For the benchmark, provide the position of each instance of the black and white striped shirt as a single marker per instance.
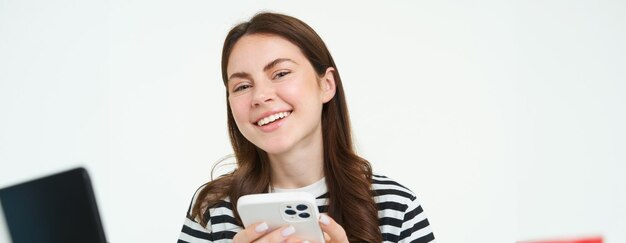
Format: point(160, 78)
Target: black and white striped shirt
point(401, 217)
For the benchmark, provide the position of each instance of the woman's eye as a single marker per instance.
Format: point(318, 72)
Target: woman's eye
point(241, 87)
point(280, 74)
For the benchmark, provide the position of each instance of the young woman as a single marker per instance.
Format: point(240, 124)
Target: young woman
point(290, 131)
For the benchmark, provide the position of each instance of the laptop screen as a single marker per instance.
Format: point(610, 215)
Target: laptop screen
point(53, 209)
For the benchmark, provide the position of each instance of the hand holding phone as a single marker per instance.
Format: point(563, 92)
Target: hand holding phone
point(297, 209)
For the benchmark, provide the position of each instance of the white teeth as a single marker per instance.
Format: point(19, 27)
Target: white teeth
point(272, 118)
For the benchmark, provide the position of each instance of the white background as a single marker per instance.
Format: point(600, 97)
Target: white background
point(505, 117)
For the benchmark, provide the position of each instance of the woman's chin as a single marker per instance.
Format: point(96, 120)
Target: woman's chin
point(275, 149)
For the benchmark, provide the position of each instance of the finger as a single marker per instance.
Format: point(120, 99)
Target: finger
point(334, 230)
point(251, 233)
point(278, 235)
point(326, 237)
point(294, 240)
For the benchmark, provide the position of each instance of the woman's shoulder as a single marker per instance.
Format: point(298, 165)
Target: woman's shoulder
point(223, 205)
point(402, 218)
point(219, 220)
point(381, 182)
point(389, 193)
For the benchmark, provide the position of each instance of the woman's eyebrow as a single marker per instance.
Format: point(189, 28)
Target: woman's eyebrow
point(276, 62)
point(269, 66)
point(242, 75)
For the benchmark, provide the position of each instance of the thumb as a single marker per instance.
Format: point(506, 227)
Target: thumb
point(332, 229)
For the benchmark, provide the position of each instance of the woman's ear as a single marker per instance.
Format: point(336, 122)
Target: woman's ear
point(328, 86)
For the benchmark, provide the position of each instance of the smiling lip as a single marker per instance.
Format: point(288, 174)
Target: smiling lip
point(271, 117)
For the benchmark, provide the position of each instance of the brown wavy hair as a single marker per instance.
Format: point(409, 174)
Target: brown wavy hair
point(348, 176)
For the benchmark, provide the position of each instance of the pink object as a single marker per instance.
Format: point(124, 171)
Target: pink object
point(595, 239)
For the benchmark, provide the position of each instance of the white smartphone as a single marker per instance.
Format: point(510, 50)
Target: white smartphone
point(297, 209)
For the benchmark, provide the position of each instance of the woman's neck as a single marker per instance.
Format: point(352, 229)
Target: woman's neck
point(298, 167)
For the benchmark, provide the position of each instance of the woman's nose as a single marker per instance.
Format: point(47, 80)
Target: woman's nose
point(263, 93)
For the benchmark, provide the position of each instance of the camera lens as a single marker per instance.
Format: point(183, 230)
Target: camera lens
point(301, 207)
point(304, 215)
point(290, 212)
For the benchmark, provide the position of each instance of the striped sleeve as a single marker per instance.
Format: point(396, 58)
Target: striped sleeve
point(401, 216)
point(221, 224)
point(193, 231)
point(415, 226)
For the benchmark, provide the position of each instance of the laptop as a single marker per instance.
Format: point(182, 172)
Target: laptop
point(53, 209)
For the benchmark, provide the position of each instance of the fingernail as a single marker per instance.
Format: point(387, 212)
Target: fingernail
point(261, 228)
point(288, 231)
point(306, 241)
point(324, 219)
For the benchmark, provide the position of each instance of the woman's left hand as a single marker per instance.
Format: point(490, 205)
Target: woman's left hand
point(333, 232)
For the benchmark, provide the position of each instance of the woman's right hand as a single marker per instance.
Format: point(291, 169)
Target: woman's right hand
point(259, 233)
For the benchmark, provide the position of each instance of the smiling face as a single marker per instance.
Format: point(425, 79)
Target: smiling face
point(275, 95)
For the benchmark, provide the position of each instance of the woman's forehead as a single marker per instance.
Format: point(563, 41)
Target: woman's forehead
point(253, 52)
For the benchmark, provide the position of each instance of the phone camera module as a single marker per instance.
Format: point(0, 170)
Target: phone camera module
point(296, 212)
point(301, 207)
